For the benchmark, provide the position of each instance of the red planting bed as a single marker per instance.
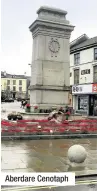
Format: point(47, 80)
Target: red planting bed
point(45, 126)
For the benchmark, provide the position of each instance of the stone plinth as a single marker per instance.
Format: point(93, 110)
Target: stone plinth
point(50, 58)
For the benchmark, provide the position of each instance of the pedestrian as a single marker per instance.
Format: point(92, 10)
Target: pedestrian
point(22, 103)
point(95, 110)
point(67, 113)
point(26, 102)
point(61, 110)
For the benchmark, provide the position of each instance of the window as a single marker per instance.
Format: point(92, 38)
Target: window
point(8, 88)
point(20, 89)
point(70, 74)
point(95, 74)
point(76, 76)
point(13, 76)
point(82, 103)
point(77, 59)
point(20, 82)
point(95, 53)
point(14, 82)
point(82, 72)
point(14, 88)
point(8, 82)
point(87, 71)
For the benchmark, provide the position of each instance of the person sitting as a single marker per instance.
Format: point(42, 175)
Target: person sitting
point(61, 110)
point(55, 116)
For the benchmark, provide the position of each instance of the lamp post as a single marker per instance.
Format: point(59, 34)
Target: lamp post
point(28, 80)
point(29, 64)
point(30, 67)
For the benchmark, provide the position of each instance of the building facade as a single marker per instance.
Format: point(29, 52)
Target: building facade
point(14, 86)
point(83, 74)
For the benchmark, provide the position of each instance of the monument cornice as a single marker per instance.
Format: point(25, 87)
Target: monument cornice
point(51, 25)
point(48, 88)
point(54, 33)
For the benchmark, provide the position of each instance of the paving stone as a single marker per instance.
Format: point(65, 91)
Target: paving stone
point(46, 155)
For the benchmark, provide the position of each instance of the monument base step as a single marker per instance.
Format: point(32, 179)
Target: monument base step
point(46, 107)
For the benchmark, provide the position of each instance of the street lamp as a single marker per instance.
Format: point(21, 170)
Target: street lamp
point(29, 64)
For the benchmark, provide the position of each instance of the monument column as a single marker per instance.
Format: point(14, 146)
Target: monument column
point(50, 73)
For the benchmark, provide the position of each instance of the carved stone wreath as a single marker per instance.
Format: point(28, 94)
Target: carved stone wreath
point(54, 46)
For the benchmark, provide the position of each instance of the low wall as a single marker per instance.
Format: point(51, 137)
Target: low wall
point(35, 115)
point(45, 137)
point(45, 115)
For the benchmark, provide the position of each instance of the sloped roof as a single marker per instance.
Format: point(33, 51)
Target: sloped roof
point(87, 43)
point(79, 40)
point(6, 75)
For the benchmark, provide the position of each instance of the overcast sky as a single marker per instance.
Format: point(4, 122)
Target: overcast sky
point(17, 15)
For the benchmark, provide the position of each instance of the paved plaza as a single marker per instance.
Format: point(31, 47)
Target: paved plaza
point(46, 156)
point(7, 108)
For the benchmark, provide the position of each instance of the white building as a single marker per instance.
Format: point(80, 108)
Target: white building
point(83, 74)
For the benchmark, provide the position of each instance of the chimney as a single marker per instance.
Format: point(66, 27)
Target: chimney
point(4, 73)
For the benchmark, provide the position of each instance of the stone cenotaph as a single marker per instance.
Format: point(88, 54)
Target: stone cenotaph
point(50, 58)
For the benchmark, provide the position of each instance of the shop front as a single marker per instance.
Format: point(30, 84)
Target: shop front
point(85, 98)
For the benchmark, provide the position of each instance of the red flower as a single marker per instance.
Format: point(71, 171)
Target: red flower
point(68, 113)
point(27, 105)
point(36, 107)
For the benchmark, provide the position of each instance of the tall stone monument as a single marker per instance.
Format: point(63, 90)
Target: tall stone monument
point(50, 58)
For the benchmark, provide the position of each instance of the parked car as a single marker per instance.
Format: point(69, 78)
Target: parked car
point(2, 100)
point(9, 100)
point(19, 99)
